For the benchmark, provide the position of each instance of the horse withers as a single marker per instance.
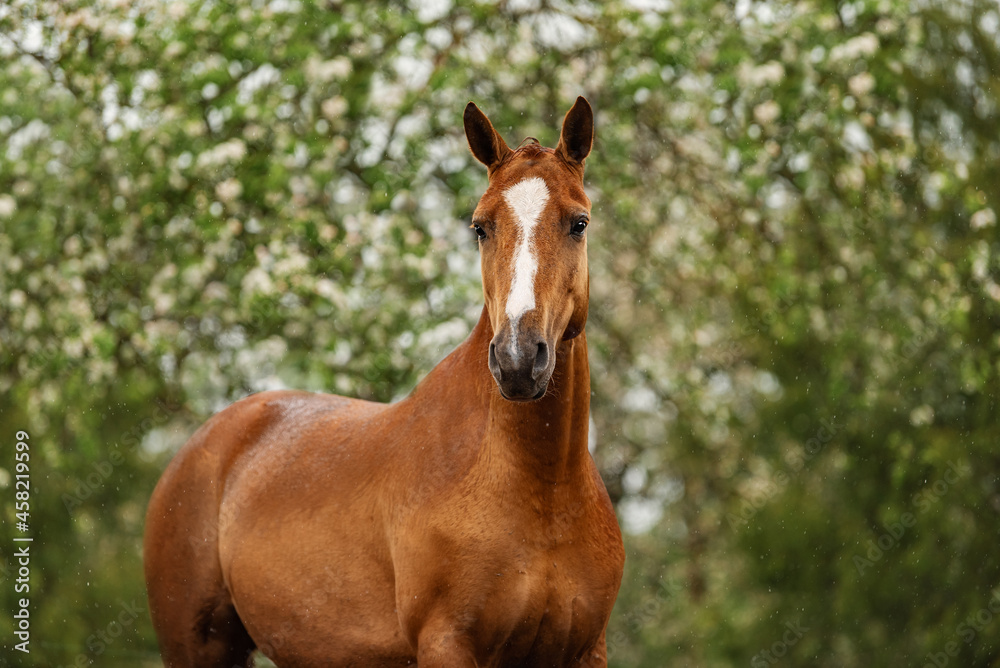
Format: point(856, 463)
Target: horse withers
point(465, 525)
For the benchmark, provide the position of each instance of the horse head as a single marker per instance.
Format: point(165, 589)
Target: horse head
point(532, 223)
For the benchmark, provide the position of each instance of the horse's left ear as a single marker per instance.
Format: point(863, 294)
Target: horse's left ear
point(577, 136)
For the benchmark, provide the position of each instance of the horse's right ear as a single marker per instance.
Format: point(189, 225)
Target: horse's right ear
point(488, 147)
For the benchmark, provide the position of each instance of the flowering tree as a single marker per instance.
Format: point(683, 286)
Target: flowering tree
point(794, 289)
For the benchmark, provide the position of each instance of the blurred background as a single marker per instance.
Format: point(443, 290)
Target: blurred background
point(795, 310)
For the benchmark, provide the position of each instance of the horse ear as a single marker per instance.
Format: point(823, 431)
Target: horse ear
point(488, 147)
point(577, 136)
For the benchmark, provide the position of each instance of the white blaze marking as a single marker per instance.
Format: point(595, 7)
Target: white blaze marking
point(527, 200)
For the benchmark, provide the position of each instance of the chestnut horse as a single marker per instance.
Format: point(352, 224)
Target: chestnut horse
point(465, 525)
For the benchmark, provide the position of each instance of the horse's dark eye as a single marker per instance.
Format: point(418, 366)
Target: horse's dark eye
point(579, 227)
point(480, 232)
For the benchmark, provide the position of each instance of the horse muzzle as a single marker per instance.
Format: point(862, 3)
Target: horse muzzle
point(521, 363)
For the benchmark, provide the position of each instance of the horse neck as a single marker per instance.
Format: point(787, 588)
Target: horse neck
point(540, 442)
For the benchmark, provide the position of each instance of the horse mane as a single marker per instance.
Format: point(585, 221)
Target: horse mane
point(530, 147)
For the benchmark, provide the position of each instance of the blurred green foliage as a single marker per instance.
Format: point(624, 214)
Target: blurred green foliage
point(795, 315)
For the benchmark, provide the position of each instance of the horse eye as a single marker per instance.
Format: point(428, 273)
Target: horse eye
point(579, 227)
point(480, 232)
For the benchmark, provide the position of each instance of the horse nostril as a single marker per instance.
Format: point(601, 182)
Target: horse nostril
point(541, 360)
point(494, 365)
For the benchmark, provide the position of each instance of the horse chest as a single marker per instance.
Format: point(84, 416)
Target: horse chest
point(543, 609)
point(526, 593)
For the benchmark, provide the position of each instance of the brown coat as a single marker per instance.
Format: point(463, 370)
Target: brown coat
point(457, 527)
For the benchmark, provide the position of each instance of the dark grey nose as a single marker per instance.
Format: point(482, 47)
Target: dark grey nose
point(521, 365)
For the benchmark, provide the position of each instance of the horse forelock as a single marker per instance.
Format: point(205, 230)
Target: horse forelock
point(531, 149)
